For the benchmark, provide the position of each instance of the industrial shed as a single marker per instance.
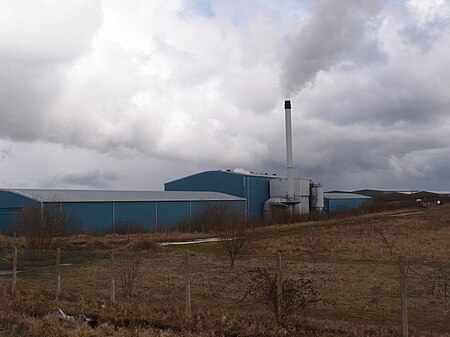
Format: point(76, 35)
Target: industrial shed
point(335, 202)
point(260, 190)
point(253, 187)
point(101, 210)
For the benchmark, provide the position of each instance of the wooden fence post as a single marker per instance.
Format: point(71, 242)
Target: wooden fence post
point(14, 272)
point(58, 274)
point(403, 298)
point(279, 288)
point(187, 284)
point(112, 286)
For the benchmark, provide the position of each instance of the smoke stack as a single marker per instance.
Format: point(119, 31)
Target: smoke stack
point(287, 111)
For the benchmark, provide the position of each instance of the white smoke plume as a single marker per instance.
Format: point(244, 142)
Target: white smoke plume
point(336, 32)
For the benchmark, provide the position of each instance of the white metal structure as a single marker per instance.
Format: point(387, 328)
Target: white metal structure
point(301, 195)
point(290, 187)
point(317, 203)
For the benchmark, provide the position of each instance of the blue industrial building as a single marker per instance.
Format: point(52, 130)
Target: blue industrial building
point(183, 199)
point(253, 187)
point(101, 210)
point(335, 202)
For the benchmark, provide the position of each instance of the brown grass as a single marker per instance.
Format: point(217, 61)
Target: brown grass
point(422, 235)
point(358, 283)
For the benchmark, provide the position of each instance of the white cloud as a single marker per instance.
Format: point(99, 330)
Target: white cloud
point(184, 86)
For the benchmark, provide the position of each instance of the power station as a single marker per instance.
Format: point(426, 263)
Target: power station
point(256, 195)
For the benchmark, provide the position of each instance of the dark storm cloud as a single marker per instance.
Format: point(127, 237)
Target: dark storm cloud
point(381, 123)
point(385, 96)
point(92, 179)
point(134, 83)
point(25, 95)
point(337, 31)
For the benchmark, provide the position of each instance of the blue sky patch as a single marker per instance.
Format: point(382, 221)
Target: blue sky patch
point(199, 7)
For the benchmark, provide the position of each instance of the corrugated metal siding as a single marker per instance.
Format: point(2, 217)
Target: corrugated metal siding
point(254, 188)
point(198, 207)
point(151, 215)
point(257, 196)
point(10, 205)
point(213, 181)
point(8, 199)
point(142, 213)
point(99, 216)
point(95, 216)
point(171, 212)
point(6, 222)
point(336, 205)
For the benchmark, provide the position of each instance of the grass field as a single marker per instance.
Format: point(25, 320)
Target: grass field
point(353, 263)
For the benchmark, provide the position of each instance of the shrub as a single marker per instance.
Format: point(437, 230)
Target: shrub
point(213, 217)
point(236, 241)
point(128, 273)
point(297, 294)
point(128, 227)
point(41, 224)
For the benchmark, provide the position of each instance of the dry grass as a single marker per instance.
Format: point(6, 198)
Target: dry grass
point(421, 236)
point(358, 283)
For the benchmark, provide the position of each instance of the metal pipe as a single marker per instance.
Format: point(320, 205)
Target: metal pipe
point(287, 110)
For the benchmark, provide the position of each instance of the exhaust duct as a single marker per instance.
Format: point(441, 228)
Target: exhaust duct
point(290, 183)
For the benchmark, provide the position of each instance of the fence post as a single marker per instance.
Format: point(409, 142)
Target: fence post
point(14, 272)
point(58, 274)
point(279, 288)
point(403, 298)
point(112, 286)
point(187, 284)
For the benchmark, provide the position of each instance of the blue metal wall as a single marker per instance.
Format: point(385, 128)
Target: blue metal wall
point(100, 216)
point(151, 215)
point(336, 205)
point(94, 216)
point(251, 187)
point(139, 212)
point(10, 205)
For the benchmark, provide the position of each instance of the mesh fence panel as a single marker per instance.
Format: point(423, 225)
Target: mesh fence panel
point(350, 290)
point(428, 296)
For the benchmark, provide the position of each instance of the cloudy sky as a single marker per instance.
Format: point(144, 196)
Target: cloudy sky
point(130, 94)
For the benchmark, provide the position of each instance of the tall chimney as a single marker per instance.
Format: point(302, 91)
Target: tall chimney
point(287, 110)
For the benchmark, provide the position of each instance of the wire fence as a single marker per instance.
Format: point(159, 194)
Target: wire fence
point(350, 290)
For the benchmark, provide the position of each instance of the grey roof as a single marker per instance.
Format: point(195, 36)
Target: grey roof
point(251, 173)
point(47, 195)
point(238, 172)
point(345, 196)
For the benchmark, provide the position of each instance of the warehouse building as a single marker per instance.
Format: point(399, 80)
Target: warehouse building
point(100, 211)
point(260, 190)
point(336, 202)
point(251, 193)
point(254, 188)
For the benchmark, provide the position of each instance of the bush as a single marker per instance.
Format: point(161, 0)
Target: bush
point(236, 241)
point(213, 217)
point(128, 272)
point(297, 294)
point(41, 224)
point(128, 227)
